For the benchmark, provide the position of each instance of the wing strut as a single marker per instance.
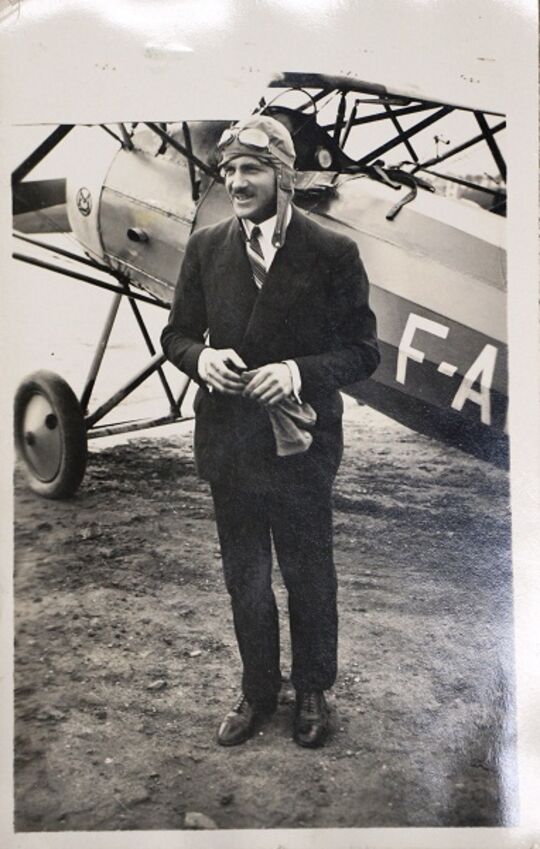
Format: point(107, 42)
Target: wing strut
point(190, 163)
point(401, 138)
point(491, 143)
point(399, 128)
point(101, 284)
point(461, 147)
point(382, 116)
point(183, 150)
point(40, 153)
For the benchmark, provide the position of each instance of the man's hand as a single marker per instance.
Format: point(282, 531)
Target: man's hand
point(269, 384)
point(217, 368)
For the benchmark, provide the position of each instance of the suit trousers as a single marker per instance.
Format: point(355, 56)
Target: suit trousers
point(300, 524)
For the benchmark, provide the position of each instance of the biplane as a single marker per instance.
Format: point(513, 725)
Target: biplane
point(420, 184)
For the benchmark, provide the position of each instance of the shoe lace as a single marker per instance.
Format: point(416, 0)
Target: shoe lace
point(242, 704)
point(309, 702)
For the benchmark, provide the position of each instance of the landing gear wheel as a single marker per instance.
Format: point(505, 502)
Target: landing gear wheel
point(50, 435)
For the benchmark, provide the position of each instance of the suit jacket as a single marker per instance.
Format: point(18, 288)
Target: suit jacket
point(313, 308)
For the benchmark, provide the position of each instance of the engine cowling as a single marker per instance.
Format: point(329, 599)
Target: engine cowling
point(134, 210)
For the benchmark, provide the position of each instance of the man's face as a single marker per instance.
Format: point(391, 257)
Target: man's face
point(251, 185)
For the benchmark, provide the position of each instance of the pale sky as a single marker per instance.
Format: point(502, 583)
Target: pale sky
point(122, 59)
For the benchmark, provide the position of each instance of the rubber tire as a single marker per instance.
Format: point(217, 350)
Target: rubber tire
point(72, 433)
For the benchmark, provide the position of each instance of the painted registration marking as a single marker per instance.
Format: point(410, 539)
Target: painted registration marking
point(447, 368)
point(476, 383)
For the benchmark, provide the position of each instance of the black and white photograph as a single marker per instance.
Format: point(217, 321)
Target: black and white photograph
point(270, 562)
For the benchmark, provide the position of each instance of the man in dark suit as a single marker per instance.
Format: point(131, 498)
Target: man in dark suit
point(286, 304)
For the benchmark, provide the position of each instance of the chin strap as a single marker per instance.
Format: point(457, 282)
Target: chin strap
point(285, 191)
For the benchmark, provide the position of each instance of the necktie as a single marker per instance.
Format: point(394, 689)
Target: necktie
point(256, 257)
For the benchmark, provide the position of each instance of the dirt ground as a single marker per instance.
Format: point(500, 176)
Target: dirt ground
point(126, 659)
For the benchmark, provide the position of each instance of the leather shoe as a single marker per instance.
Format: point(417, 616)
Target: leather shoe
point(311, 720)
point(241, 722)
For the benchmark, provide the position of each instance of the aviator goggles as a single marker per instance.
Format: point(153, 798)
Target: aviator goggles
point(252, 137)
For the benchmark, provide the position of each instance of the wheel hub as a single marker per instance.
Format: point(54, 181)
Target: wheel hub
point(42, 438)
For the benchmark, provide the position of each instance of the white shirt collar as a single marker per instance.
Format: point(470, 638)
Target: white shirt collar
point(266, 227)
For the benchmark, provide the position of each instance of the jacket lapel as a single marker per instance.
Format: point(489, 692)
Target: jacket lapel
point(232, 262)
point(233, 289)
point(290, 275)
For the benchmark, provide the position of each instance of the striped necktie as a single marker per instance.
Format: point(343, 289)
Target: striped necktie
point(256, 257)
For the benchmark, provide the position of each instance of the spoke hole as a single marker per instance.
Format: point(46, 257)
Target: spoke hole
point(29, 438)
point(51, 421)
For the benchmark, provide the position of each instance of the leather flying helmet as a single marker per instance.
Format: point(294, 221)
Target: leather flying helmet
point(268, 140)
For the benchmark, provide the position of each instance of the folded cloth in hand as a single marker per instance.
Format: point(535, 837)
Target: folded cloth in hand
point(289, 421)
